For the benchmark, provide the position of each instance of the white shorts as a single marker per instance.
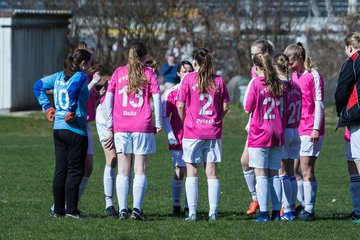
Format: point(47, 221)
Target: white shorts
point(348, 151)
point(198, 151)
point(310, 149)
point(176, 157)
point(267, 157)
point(101, 120)
point(291, 148)
point(90, 150)
point(134, 142)
point(355, 141)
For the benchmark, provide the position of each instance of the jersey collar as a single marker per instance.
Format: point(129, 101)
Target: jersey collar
point(354, 56)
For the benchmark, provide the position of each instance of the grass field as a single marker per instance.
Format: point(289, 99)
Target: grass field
point(27, 165)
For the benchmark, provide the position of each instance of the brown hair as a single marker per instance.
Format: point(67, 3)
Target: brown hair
point(353, 39)
point(263, 61)
point(265, 46)
point(136, 74)
point(281, 63)
point(72, 63)
point(206, 71)
point(298, 51)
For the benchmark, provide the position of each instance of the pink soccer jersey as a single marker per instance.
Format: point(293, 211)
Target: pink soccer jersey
point(266, 125)
point(203, 111)
point(312, 88)
point(91, 103)
point(292, 104)
point(170, 100)
point(132, 111)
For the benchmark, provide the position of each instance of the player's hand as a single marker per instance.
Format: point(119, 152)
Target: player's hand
point(314, 137)
point(69, 117)
point(173, 141)
point(50, 114)
point(157, 130)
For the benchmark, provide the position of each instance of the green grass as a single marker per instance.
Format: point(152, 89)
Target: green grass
point(27, 165)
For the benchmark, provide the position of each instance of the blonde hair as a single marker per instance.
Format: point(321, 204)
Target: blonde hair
point(281, 63)
point(353, 39)
point(137, 78)
point(263, 61)
point(206, 71)
point(265, 46)
point(298, 51)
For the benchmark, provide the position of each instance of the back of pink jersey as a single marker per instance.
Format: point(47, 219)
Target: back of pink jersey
point(203, 111)
point(170, 100)
point(292, 104)
point(266, 124)
point(312, 88)
point(132, 111)
point(91, 103)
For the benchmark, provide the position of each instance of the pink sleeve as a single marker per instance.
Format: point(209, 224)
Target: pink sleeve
point(154, 84)
point(317, 85)
point(250, 98)
point(183, 90)
point(112, 83)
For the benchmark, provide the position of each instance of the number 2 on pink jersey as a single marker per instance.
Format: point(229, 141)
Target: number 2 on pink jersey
point(203, 110)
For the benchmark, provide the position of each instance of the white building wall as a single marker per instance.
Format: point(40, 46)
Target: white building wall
point(5, 64)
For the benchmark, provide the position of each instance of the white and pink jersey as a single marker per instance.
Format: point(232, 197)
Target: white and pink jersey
point(266, 125)
point(132, 111)
point(292, 104)
point(312, 88)
point(170, 110)
point(203, 111)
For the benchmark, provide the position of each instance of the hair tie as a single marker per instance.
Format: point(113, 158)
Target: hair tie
point(299, 44)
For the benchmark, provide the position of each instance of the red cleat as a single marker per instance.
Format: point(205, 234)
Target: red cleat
point(253, 207)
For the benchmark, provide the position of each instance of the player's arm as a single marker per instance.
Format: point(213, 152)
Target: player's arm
point(40, 87)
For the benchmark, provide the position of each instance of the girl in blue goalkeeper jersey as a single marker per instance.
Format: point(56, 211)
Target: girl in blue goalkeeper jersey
point(70, 87)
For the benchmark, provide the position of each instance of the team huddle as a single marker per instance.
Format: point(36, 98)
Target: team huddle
point(285, 130)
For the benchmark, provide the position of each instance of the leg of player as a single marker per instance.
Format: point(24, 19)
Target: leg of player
point(213, 189)
point(122, 184)
point(191, 185)
point(250, 181)
point(310, 187)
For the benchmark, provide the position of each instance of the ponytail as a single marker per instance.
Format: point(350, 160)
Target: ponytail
point(206, 71)
point(263, 61)
point(72, 63)
point(136, 74)
point(281, 64)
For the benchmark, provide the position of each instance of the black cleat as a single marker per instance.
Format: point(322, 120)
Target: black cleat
point(137, 215)
point(111, 212)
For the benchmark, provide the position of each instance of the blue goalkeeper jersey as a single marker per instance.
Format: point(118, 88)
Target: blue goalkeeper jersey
point(69, 96)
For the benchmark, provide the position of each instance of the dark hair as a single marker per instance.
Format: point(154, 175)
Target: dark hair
point(281, 63)
point(263, 61)
point(137, 53)
point(182, 64)
point(72, 63)
point(206, 71)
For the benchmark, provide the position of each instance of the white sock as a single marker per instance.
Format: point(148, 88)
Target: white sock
point(109, 185)
point(213, 195)
point(355, 192)
point(294, 190)
point(310, 189)
point(122, 191)
point(82, 187)
point(286, 193)
point(139, 191)
point(176, 188)
point(262, 189)
point(251, 182)
point(300, 192)
point(276, 192)
point(191, 185)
